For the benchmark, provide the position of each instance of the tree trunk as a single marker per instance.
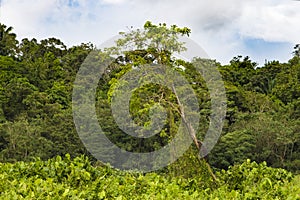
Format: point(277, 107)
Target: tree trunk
point(192, 133)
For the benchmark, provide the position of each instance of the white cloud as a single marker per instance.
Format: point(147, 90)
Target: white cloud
point(25, 16)
point(271, 22)
point(113, 1)
point(220, 27)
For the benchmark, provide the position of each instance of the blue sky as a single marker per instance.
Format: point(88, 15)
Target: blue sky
point(267, 51)
point(261, 29)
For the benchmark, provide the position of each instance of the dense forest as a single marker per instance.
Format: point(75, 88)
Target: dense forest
point(256, 156)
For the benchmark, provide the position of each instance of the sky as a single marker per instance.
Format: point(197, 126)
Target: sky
point(261, 29)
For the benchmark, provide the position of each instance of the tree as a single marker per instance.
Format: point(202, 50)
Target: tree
point(8, 42)
point(22, 141)
point(259, 136)
point(297, 50)
point(150, 48)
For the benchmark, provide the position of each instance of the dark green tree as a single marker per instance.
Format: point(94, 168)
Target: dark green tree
point(8, 41)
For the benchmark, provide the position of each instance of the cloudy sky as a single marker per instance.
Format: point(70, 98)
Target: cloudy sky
point(261, 29)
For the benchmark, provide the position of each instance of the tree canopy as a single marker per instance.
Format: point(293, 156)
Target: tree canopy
point(36, 83)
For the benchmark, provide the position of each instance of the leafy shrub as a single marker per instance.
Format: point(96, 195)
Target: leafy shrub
point(254, 180)
point(64, 178)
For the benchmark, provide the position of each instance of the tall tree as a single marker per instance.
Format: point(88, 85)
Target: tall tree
point(8, 41)
point(156, 45)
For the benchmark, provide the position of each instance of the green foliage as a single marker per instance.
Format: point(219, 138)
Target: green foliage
point(66, 178)
point(36, 78)
point(260, 137)
point(249, 174)
point(143, 52)
point(35, 97)
point(250, 180)
point(8, 42)
point(156, 43)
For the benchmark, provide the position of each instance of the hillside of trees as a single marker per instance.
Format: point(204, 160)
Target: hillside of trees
point(262, 123)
